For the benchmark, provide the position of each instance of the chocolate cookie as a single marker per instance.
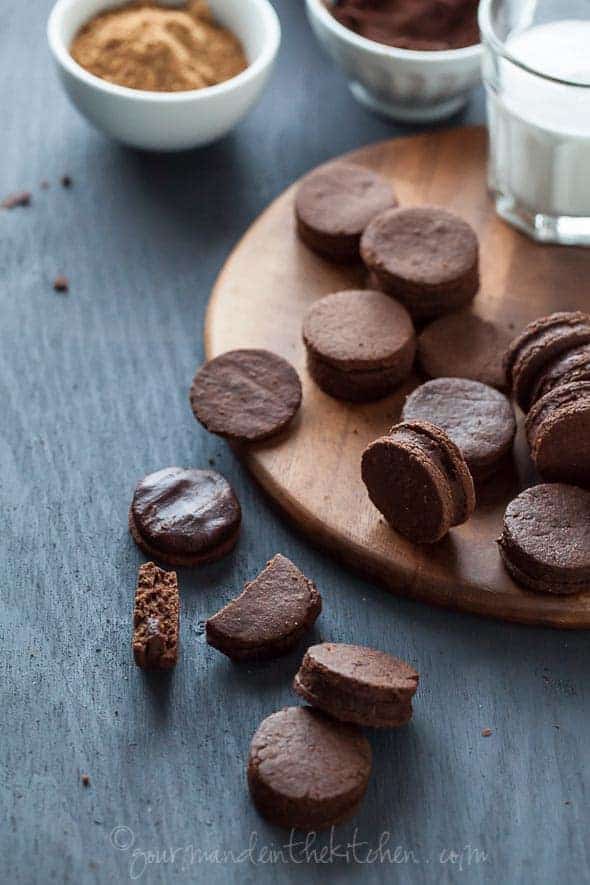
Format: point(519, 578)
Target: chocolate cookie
point(156, 619)
point(425, 257)
point(478, 418)
point(558, 431)
point(306, 771)
point(545, 544)
point(357, 684)
point(418, 479)
point(568, 367)
point(269, 617)
point(462, 345)
point(334, 204)
point(185, 517)
point(360, 344)
point(538, 345)
point(246, 395)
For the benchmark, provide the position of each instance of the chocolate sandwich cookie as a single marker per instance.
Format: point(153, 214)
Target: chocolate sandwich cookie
point(185, 516)
point(479, 419)
point(418, 479)
point(360, 344)
point(545, 544)
point(567, 368)
point(356, 684)
point(334, 205)
point(156, 618)
point(463, 345)
point(306, 771)
point(558, 431)
point(538, 345)
point(246, 395)
point(269, 617)
point(425, 257)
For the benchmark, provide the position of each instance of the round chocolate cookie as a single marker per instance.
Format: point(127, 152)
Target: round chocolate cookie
point(246, 395)
point(463, 345)
point(269, 617)
point(558, 431)
point(545, 544)
point(479, 419)
point(357, 684)
point(425, 257)
point(568, 367)
point(306, 771)
point(334, 204)
point(537, 346)
point(360, 344)
point(418, 479)
point(185, 516)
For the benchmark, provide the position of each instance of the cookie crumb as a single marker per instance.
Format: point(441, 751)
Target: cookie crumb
point(85, 780)
point(487, 732)
point(61, 284)
point(66, 181)
point(21, 198)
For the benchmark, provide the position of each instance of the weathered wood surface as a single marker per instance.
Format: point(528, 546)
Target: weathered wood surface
point(94, 395)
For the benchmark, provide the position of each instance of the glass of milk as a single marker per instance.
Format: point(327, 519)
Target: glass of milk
point(537, 74)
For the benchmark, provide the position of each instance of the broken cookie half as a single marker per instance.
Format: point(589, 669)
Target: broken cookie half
point(156, 618)
point(269, 617)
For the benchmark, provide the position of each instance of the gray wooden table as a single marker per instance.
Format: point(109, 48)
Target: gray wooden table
point(93, 387)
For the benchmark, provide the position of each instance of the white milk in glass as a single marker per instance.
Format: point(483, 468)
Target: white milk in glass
point(540, 130)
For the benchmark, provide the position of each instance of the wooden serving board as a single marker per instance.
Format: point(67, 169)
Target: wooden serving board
point(313, 473)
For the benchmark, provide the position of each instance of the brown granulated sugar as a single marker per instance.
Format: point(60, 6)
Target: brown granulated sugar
point(143, 45)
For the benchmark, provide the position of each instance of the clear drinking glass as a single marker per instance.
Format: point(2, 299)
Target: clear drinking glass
point(537, 74)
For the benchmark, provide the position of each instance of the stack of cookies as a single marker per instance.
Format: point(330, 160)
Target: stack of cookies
point(548, 369)
point(545, 542)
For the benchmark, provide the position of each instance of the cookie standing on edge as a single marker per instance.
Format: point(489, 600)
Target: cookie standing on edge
point(558, 431)
point(426, 257)
point(246, 395)
point(156, 617)
point(463, 345)
point(479, 419)
point(185, 516)
point(269, 617)
point(545, 544)
point(360, 344)
point(538, 345)
point(418, 479)
point(357, 684)
point(306, 771)
point(333, 206)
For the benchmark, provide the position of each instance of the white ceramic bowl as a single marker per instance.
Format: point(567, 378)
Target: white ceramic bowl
point(402, 84)
point(168, 121)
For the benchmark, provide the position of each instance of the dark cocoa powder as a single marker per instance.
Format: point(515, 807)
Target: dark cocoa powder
point(411, 24)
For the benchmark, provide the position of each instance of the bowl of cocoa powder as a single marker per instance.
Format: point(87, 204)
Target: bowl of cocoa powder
point(410, 60)
point(164, 75)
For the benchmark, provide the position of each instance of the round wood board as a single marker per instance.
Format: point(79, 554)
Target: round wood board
point(313, 472)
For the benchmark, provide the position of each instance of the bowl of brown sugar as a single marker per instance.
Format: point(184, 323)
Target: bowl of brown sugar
point(164, 76)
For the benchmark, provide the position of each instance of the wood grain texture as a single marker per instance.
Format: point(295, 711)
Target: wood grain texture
point(313, 473)
point(94, 391)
